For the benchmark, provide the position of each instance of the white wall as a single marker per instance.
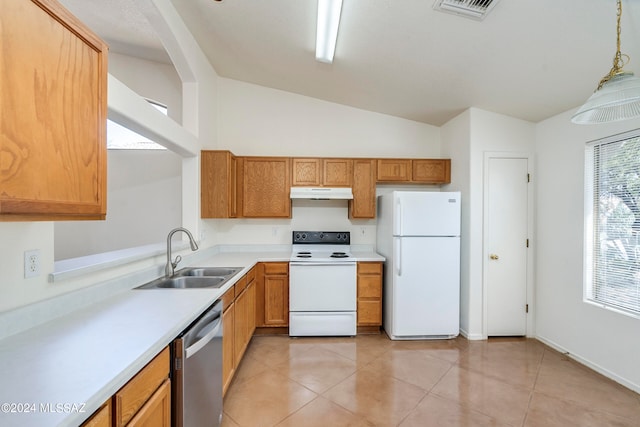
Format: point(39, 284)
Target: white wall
point(466, 139)
point(605, 340)
point(456, 145)
point(144, 200)
point(255, 120)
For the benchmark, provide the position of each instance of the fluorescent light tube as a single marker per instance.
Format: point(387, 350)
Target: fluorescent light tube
point(327, 29)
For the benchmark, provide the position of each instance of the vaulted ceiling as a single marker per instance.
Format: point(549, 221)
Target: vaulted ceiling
point(529, 59)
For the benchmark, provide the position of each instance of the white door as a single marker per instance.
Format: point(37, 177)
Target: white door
point(506, 246)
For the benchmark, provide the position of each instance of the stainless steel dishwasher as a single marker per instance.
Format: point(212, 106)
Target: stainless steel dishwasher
point(197, 372)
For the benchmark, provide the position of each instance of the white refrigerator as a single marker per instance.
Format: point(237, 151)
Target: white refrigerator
point(418, 232)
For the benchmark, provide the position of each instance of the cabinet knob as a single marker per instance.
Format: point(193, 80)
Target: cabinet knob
point(494, 256)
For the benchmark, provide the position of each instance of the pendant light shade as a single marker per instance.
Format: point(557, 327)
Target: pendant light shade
point(618, 94)
point(617, 99)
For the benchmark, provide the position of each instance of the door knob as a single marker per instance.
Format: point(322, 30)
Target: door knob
point(494, 256)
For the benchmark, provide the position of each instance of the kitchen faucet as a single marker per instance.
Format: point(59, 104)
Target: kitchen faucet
point(171, 265)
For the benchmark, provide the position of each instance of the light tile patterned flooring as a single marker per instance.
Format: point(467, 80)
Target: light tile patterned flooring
point(373, 381)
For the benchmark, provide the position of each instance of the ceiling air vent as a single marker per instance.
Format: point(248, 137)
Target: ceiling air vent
point(474, 9)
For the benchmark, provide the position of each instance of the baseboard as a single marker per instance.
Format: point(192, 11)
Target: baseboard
point(599, 369)
point(471, 337)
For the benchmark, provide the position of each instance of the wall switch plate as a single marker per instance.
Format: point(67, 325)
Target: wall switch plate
point(31, 263)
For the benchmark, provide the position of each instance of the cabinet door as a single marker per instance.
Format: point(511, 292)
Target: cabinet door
point(218, 181)
point(369, 294)
point(228, 332)
point(157, 411)
point(276, 300)
point(100, 418)
point(337, 172)
point(265, 187)
point(53, 112)
point(363, 204)
point(241, 326)
point(431, 171)
point(306, 172)
point(394, 170)
point(251, 308)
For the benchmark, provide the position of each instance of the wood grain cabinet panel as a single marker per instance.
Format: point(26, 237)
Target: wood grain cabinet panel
point(363, 204)
point(100, 418)
point(322, 172)
point(394, 170)
point(431, 171)
point(228, 353)
point(337, 172)
point(370, 294)
point(306, 172)
point(53, 112)
point(133, 395)
point(266, 182)
point(157, 411)
point(219, 185)
point(272, 295)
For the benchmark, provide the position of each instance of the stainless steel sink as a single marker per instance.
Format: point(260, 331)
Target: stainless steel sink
point(194, 278)
point(208, 271)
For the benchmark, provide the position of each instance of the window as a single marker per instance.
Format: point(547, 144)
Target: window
point(612, 222)
point(121, 138)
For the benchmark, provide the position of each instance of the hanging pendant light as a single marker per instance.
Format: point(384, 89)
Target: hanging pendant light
point(618, 94)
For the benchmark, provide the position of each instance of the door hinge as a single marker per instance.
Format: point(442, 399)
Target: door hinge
point(177, 364)
point(526, 308)
point(528, 177)
point(527, 242)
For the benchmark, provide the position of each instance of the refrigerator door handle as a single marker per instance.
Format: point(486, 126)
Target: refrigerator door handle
point(398, 260)
point(399, 219)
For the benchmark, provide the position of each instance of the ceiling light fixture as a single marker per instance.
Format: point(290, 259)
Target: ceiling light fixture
point(327, 29)
point(618, 94)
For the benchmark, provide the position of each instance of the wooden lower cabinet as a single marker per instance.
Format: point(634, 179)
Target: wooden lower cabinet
point(157, 411)
point(228, 360)
point(370, 294)
point(272, 296)
point(100, 418)
point(238, 323)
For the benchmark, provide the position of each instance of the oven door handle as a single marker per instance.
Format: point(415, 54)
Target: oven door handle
point(214, 328)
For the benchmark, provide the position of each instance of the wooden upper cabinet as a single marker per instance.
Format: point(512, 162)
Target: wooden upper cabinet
point(394, 170)
point(322, 172)
point(414, 171)
point(306, 172)
point(53, 112)
point(431, 171)
point(363, 204)
point(266, 182)
point(219, 185)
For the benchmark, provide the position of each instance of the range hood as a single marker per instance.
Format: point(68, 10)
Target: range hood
point(321, 193)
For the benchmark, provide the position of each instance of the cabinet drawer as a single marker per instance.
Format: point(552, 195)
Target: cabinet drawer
point(276, 268)
point(251, 275)
point(369, 313)
point(228, 297)
point(369, 287)
point(370, 268)
point(130, 398)
point(240, 285)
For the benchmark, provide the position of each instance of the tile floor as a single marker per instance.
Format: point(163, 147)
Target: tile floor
point(373, 381)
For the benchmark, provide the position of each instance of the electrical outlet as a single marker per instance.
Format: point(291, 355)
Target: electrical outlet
point(31, 263)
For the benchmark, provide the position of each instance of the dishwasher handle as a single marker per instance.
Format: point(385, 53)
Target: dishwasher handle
point(212, 330)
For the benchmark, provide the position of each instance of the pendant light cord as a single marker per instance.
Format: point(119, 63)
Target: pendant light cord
point(619, 58)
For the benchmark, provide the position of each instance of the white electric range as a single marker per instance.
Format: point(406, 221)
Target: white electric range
point(322, 284)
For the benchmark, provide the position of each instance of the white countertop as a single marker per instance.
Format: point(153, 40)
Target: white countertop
point(59, 373)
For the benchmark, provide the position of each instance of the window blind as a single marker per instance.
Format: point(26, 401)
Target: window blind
point(612, 222)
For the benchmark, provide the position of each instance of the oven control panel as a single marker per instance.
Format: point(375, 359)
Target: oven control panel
point(320, 237)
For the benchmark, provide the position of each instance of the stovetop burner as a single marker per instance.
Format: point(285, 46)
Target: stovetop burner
point(321, 246)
